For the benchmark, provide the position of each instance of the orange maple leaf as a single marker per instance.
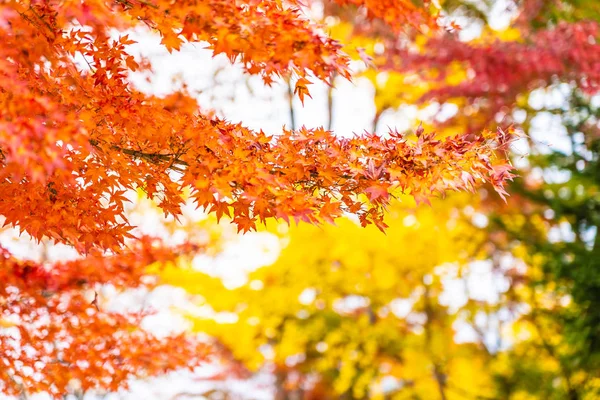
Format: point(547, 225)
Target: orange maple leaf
point(301, 88)
point(171, 40)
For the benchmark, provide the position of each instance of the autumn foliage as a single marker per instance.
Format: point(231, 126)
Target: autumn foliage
point(76, 137)
point(362, 317)
point(341, 319)
point(499, 71)
point(72, 344)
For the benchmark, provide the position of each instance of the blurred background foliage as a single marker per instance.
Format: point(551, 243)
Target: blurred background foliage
point(472, 298)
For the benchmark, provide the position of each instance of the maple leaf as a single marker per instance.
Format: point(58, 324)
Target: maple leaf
point(220, 208)
point(366, 58)
point(245, 224)
point(171, 41)
point(422, 199)
point(378, 193)
point(330, 210)
point(301, 88)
